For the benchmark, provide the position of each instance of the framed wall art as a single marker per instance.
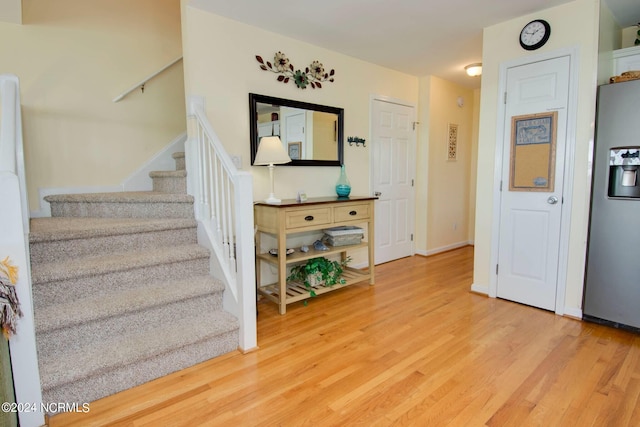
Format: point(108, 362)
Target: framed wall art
point(294, 150)
point(452, 143)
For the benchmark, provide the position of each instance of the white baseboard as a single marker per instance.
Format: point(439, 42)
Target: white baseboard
point(480, 289)
point(137, 181)
point(445, 248)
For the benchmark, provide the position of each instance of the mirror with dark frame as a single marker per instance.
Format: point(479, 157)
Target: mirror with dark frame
point(312, 134)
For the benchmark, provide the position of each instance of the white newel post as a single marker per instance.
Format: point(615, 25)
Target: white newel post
point(14, 244)
point(246, 274)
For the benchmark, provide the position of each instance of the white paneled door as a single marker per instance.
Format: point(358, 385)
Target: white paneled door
point(293, 127)
point(393, 171)
point(535, 133)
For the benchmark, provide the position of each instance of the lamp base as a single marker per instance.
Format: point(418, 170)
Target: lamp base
point(272, 200)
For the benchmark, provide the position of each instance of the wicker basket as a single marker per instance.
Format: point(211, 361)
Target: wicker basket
point(343, 236)
point(625, 77)
point(315, 280)
point(349, 239)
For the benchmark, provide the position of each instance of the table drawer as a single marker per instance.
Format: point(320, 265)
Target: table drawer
point(348, 213)
point(307, 217)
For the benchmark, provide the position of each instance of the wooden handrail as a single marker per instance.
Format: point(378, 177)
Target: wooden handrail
point(145, 80)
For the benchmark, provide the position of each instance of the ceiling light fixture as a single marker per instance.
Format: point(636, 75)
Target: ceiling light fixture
point(474, 70)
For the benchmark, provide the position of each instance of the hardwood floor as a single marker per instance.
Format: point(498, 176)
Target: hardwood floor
point(416, 349)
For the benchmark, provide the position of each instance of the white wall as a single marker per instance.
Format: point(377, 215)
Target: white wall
point(500, 44)
point(73, 57)
point(220, 65)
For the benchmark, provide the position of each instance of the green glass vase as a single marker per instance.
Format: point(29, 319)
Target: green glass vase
point(343, 187)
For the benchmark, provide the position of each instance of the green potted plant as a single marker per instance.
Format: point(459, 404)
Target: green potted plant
point(319, 271)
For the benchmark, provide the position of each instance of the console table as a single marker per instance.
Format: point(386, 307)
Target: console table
point(290, 217)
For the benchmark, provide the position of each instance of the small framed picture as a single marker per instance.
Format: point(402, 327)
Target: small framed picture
point(294, 150)
point(452, 143)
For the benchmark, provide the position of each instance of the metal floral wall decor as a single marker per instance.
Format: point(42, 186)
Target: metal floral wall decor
point(313, 75)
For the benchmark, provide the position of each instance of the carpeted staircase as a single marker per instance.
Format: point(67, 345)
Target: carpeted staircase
point(122, 291)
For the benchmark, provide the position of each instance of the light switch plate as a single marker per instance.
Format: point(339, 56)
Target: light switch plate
point(237, 161)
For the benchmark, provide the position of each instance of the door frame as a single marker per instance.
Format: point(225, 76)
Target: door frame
point(567, 190)
point(392, 100)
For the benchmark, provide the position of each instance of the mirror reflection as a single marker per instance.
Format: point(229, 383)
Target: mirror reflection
point(311, 133)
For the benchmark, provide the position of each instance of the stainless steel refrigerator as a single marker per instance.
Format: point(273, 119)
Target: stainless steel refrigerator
point(612, 281)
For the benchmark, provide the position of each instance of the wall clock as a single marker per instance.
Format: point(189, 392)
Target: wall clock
point(535, 34)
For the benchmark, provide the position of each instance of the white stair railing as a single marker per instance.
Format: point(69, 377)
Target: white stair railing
point(224, 210)
point(14, 243)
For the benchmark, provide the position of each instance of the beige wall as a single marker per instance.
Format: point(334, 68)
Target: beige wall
point(324, 129)
point(449, 181)
point(609, 39)
point(225, 73)
point(11, 11)
point(499, 45)
point(629, 36)
point(474, 165)
point(73, 57)
point(220, 65)
point(422, 172)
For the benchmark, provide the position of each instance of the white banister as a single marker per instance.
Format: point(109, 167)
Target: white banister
point(144, 81)
point(224, 209)
point(14, 243)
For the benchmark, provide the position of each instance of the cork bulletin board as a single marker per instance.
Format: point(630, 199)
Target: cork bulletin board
point(533, 152)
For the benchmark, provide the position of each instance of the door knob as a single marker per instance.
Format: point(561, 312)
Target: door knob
point(377, 193)
point(552, 200)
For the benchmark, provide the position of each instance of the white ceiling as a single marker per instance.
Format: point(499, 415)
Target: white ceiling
point(418, 37)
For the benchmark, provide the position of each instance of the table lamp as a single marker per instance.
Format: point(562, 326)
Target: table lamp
point(271, 152)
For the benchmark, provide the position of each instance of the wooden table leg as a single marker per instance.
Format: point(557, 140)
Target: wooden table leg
point(282, 271)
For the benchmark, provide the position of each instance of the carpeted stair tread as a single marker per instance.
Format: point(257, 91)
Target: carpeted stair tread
point(120, 261)
point(168, 174)
point(63, 228)
point(179, 159)
point(122, 197)
point(131, 347)
point(122, 291)
point(88, 309)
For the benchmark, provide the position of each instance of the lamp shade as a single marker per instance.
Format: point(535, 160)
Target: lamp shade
point(271, 152)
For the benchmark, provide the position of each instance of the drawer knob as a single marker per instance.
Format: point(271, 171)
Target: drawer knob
point(352, 213)
point(308, 218)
